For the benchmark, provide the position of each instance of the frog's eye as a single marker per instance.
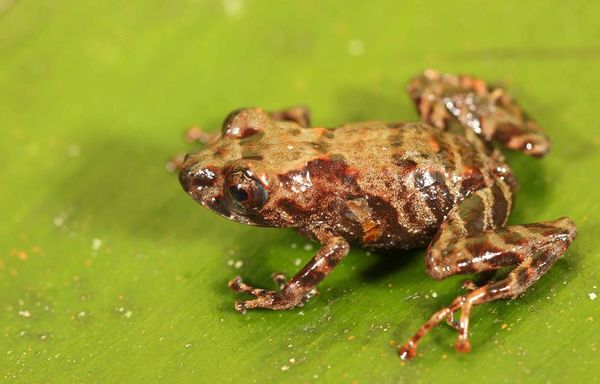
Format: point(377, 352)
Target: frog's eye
point(245, 190)
point(244, 122)
point(238, 193)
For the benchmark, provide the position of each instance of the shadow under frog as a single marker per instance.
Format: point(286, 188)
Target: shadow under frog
point(387, 186)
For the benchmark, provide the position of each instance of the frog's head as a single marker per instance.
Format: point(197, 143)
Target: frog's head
point(229, 176)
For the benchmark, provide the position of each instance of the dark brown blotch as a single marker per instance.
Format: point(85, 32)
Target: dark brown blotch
point(311, 278)
point(292, 208)
point(513, 238)
point(256, 136)
point(499, 207)
point(395, 124)
point(525, 275)
point(396, 140)
point(338, 157)
point(406, 165)
point(433, 189)
point(471, 212)
point(472, 180)
point(221, 151)
point(326, 169)
point(251, 155)
point(331, 261)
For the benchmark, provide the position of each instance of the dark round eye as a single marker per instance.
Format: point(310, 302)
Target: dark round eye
point(246, 191)
point(238, 193)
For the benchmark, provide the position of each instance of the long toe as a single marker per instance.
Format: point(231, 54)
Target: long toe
point(463, 345)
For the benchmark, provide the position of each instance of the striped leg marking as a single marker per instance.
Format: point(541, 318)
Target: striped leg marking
point(301, 287)
point(480, 245)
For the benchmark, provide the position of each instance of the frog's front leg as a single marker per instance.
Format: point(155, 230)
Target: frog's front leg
point(299, 114)
point(301, 286)
point(473, 239)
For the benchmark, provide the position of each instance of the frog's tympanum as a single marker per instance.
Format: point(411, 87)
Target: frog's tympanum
point(439, 183)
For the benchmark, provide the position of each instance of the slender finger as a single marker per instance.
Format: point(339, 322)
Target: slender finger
point(195, 134)
point(451, 321)
point(238, 285)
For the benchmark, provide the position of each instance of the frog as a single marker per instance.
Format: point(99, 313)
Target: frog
point(441, 183)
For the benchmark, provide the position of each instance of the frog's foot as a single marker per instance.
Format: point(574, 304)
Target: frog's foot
point(175, 163)
point(281, 280)
point(195, 134)
point(287, 297)
point(464, 303)
point(468, 285)
point(452, 321)
point(486, 277)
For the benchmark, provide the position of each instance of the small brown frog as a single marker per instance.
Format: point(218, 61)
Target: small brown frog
point(387, 186)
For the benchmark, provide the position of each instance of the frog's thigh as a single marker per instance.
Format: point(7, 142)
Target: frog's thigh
point(532, 246)
point(484, 210)
point(473, 239)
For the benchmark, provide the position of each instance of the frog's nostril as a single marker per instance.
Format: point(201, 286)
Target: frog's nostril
point(193, 179)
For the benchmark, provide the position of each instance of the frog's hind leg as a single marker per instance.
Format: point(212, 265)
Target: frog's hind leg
point(488, 110)
point(473, 239)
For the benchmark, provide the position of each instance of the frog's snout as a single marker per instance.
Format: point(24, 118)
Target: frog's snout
point(185, 179)
point(198, 181)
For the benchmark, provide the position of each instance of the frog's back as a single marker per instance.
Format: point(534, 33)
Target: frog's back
point(408, 176)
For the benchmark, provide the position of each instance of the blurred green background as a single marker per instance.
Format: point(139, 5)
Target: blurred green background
point(109, 273)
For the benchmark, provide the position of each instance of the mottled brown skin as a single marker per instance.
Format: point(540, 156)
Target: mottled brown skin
point(388, 186)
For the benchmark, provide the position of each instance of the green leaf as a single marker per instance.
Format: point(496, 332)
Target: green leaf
point(110, 273)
